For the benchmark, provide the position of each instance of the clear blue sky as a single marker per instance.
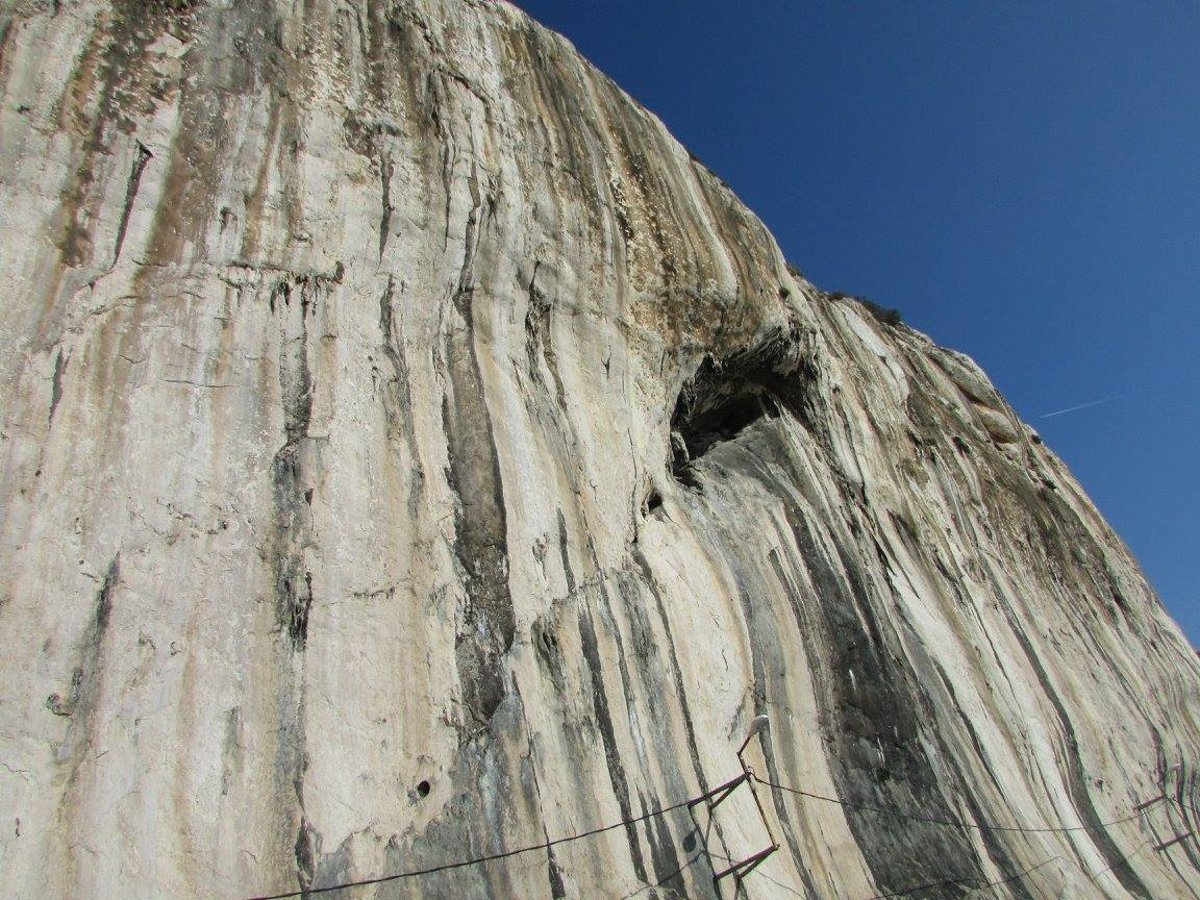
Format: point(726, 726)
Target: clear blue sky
point(1020, 180)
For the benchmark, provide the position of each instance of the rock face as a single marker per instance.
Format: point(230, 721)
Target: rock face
point(411, 455)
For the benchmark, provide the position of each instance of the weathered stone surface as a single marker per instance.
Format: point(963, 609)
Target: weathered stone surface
point(411, 454)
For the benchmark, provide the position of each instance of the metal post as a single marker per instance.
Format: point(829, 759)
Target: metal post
point(740, 870)
point(749, 775)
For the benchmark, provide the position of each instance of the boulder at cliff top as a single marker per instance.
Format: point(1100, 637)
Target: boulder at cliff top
point(411, 455)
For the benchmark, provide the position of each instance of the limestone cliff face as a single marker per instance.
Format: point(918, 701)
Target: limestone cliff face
point(411, 455)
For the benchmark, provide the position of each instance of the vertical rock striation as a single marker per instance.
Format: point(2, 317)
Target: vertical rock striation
point(411, 454)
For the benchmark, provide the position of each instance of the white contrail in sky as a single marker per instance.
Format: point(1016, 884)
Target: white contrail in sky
point(1071, 409)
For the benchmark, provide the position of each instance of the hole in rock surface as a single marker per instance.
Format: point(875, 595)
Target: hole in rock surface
point(423, 788)
point(722, 413)
point(725, 397)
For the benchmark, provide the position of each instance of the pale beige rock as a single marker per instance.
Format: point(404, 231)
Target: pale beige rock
point(411, 454)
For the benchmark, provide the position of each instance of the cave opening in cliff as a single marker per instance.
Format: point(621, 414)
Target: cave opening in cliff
point(717, 405)
point(727, 395)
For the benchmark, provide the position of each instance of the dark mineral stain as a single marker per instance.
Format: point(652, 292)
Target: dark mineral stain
point(232, 750)
point(6, 31)
point(299, 605)
point(874, 715)
point(131, 189)
point(60, 368)
point(307, 848)
point(397, 394)
point(290, 469)
point(872, 703)
point(662, 843)
point(488, 622)
point(563, 552)
point(612, 755)
point(87, 677)
point(128, 90)
point(558, 890)
point(1076, 777)
point(549, 654)
point(385, 215)
point(104, 600)
point(481, 538)
point(643, 566)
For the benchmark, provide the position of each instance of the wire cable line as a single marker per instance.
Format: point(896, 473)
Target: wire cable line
point(1123, 861)
point(762, 874)
point(964, 883)
point(695, 858)
point(920, 887)
point(444, 867)
point(566, 839)
point(958, 823)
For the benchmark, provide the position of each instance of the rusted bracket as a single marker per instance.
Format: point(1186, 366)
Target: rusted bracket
point(723, 789)
point(740, 870)
point(1149, 803)
point(1175, 840)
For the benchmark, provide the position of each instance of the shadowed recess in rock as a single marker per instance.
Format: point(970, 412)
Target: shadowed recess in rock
point(727, 395)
